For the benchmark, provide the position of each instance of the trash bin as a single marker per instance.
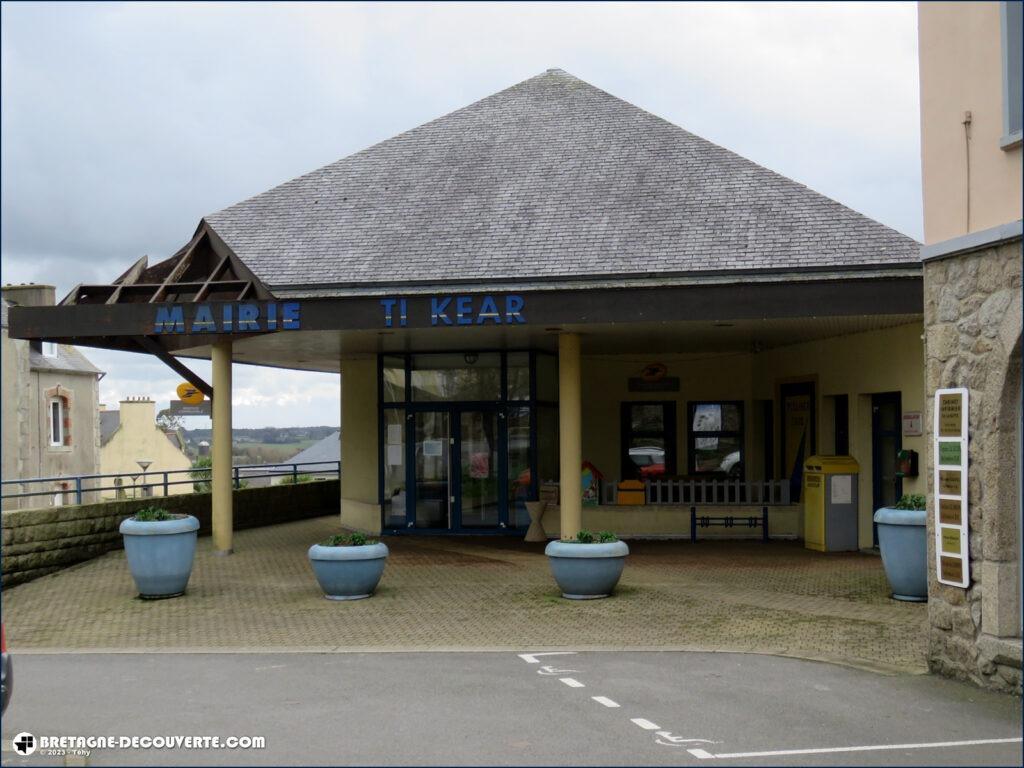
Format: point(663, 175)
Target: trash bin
point(830, 503)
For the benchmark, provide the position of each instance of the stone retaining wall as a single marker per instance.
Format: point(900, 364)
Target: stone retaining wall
point(40, 541)
point(972, 309)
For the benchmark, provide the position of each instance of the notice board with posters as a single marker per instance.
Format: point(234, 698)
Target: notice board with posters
point(952, 560)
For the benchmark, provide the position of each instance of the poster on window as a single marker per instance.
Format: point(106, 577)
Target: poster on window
point(480, 466)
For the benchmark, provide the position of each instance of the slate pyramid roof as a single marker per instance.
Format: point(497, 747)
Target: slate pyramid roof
point(549, 179)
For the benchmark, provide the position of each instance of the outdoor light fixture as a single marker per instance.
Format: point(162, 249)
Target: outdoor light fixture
point(470, 358)
point(143, 465)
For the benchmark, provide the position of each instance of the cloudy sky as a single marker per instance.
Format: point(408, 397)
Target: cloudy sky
point(122, 125)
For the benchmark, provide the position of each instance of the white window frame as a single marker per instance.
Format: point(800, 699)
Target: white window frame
point(49, 349)
point(56, 425)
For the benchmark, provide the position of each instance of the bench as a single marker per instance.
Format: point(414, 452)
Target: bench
point(728, 521)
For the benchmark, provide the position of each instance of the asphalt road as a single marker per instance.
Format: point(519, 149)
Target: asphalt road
point(653, 708)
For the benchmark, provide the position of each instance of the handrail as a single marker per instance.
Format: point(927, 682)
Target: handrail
point(162, 478)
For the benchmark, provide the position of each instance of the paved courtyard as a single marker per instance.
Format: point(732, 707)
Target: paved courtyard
point(484, 594)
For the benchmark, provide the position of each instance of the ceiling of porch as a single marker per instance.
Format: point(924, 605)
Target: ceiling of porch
point(323, 350)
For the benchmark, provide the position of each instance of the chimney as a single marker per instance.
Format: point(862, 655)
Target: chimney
point(30, 295)
point(138, 413)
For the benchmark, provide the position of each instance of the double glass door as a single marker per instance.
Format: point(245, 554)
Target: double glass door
point(457, 457)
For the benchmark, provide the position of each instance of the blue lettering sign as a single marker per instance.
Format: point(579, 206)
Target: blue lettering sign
point(513, 309)
point(203, 322)
point(290, 316)
point(169, 320)
point(389, 311)
point(439, 310)
point(464, 310)
point(488, 311)
point(248, 318)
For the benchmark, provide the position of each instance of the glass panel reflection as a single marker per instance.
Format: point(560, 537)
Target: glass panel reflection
point(478, 455)
point(465, 376)
point(432, 486)
point(519, 486)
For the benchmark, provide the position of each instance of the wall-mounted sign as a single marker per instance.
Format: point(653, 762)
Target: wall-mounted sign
point(179, 408)
point(912, 424)
point(459, 310)
point(952, 561)
point(189, 394)
point(227, 317)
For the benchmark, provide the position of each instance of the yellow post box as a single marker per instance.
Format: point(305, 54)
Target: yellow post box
point(830, 503)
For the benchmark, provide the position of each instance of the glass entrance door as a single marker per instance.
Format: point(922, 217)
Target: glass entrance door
point(432, 469)
point(479, 461)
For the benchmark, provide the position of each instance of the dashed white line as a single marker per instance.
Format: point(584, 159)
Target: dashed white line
point(605, 700)
point(572, 682)
point(647, 725)
point(703, 755)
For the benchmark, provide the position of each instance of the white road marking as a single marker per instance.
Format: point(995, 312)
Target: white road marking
point(605, 700)
point(531, 658)
point(647, 725)
point(701, 754)
point(572, 682)
point(678, 741)
point(554, 671)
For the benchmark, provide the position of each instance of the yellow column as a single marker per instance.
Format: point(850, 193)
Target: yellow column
point(221, 449)
point(570, 448)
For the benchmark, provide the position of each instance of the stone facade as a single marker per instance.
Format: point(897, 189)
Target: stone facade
point(40, 541)
point(972, 310)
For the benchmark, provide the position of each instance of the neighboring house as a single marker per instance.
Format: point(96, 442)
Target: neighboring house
point(326, 450)
point(971, 84)
point(49, 425)
point(130, 435)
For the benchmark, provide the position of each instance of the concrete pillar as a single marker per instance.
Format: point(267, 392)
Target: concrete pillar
point(360, 490)
point(570, 439)
point(220, 451)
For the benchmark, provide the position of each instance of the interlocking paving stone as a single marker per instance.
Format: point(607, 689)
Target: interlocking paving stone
point(484, 592)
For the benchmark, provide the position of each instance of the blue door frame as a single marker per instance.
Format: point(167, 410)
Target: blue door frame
point(454, 447)
point(455, 409)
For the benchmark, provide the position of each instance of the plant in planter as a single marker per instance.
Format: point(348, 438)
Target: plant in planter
point(589, 566)
point(160, 547)
point(902, 538)
point(348, 566)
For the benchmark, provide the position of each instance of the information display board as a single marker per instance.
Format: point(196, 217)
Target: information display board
point(952, 561)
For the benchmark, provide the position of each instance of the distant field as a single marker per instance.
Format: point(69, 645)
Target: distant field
point(269, 453)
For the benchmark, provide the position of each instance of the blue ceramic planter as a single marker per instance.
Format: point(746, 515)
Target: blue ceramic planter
point(348, 573)
point(902, 539)
point(160, 554)
point(586, 571)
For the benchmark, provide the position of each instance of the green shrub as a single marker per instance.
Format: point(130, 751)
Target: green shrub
point(152, 515)
point(293, 479)
point(911, 501)
point(346, 540)
point(201, 473)
point(586, 537)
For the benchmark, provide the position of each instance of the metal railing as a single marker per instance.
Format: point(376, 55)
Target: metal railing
point(78, 489)
point(707, 491)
